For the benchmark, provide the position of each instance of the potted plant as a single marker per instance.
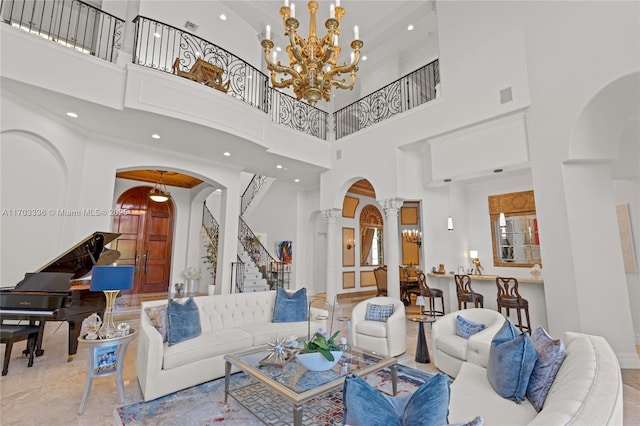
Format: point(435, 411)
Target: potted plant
point(192, 275)
point(321, 352)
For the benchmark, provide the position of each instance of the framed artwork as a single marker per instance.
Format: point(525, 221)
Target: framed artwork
point(284, 251)
point(105, 358)
point(626, 238)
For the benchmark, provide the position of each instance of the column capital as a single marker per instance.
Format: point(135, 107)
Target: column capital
point(332, 215)
point(391, 206)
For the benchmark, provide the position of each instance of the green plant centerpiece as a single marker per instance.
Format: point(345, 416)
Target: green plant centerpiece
point(321, 342)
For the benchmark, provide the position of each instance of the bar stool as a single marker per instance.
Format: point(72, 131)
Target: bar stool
point(509, 298)
point(466, 294)
point(14, 333)
point(432, 294)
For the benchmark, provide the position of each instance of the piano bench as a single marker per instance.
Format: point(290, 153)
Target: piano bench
point(15, 333)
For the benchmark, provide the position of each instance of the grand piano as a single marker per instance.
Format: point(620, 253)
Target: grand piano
point(55, 292)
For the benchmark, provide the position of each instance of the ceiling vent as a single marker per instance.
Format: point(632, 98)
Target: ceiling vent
point(191, 26)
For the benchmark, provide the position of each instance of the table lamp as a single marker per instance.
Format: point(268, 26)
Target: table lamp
point(110, 280)
point(420, 303)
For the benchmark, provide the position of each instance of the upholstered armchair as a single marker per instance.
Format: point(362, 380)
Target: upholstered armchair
point(383, 337)
point(449, 351)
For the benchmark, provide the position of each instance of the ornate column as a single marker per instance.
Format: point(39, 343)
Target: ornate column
point(333, 251)
point(391, 207)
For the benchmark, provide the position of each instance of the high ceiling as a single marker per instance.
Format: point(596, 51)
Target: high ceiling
point(383, 28)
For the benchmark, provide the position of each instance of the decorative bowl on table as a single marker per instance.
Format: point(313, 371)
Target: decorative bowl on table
point(315, 361)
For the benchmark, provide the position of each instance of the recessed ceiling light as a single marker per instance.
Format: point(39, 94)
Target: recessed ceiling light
point(155, 136)
point(364, 58)
point(218, 190)
point(279, 166)
point(72, 114)
point(223, 17)
point(296, 180)
point(410, 27)
point(227, 154)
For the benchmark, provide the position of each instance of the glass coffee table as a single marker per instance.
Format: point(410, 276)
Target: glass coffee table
point(298, 385)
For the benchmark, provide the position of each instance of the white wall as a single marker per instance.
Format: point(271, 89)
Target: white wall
point(69, 171)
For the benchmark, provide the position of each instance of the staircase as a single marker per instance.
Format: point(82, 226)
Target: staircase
point(252, 278)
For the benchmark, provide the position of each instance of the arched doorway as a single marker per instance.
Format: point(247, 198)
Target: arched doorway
point(146, 239)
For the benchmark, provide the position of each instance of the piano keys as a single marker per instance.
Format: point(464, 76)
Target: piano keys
point(48, 294)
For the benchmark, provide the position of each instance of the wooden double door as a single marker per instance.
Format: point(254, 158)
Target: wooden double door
point(146, 239)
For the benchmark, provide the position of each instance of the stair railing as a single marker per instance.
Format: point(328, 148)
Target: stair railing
point(254, 187)
point(212, 228)
point(271, 268)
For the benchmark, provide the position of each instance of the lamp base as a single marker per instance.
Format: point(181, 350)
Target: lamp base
point(108, 329)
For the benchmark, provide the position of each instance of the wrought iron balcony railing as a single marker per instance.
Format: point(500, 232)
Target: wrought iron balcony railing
point(72, 23)
point(251, 191)
point(160, 46)
point(403, 94)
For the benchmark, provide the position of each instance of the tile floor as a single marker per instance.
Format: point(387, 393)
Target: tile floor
point(49, 393)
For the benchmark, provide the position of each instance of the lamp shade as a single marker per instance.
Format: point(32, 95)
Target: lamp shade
point(473, 254)
point(420, 301)
point(108, 277)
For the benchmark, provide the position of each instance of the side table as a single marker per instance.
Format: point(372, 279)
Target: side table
point(422, 350)
point(104, 358)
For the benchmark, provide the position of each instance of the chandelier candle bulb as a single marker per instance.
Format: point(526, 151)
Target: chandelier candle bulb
point(337, 3)
point(286, 3)
point(332, 11)
point(268, 32)
point(292, 14)
point(356, 33)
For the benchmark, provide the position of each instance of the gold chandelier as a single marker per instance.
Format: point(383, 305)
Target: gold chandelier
point(313, 63)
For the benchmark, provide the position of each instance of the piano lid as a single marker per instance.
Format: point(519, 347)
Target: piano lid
point(80, 258)
point(45, 281)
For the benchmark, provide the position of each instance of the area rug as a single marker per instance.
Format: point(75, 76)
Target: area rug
point(204, 404)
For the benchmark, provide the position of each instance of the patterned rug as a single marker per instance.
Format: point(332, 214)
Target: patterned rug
point(204, 404)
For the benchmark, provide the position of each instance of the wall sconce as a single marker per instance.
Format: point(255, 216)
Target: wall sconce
point(477, 267)
point(350, 244)
point(412, 236)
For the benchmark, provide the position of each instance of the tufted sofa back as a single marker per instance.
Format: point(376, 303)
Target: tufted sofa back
point(235, 310)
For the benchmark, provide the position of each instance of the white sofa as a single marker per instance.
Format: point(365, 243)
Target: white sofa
point(586, 391)
point(229, 323)
point(385, 338)
point(450, 351)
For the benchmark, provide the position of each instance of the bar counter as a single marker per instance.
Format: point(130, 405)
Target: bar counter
point(530, 288)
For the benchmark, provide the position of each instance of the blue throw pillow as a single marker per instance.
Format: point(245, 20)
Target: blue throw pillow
point(378, 312)
point(290, 307)
point(365, 405)
point(511, 360)
point(466, 328)
point(184, 320)
point(551, 354)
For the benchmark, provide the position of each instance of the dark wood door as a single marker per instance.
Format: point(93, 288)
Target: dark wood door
point(146, 239)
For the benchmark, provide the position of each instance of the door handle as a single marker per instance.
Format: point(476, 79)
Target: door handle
point(137, 262)
point(146, 259)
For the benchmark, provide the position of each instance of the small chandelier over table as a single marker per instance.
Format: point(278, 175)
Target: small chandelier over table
point(313, 63)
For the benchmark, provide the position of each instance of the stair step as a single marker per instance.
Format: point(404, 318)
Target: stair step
point(252, 276)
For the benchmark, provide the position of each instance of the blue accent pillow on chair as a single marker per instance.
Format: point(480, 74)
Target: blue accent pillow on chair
point(551, 354)
point(365, 405)
point(378, 312)
point(184, 320)
point(290, 307)
point(511, 361)
point(466, 328)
